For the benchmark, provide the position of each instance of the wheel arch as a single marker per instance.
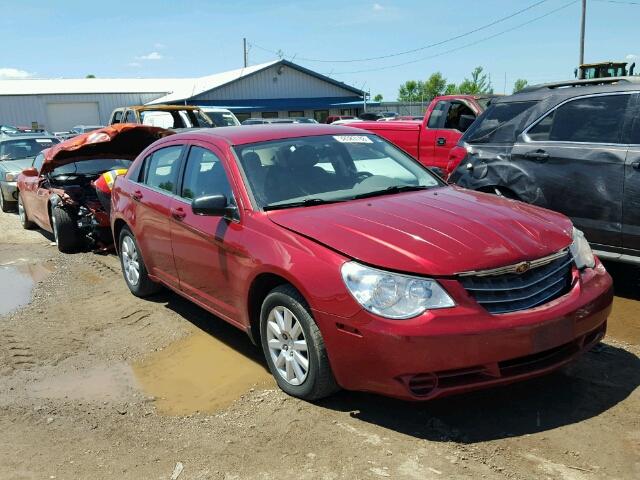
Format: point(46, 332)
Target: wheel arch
point(260, 287)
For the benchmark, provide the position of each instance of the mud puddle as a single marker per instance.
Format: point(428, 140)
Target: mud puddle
point(624, 321)
point(16, 283)
point(199, 373)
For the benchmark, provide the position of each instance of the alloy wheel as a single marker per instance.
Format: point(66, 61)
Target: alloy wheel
point(287, 345)
point(130, 263)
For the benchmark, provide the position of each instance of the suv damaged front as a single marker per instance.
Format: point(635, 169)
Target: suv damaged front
point(71, 169)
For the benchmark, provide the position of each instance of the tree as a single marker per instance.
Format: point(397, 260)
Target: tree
point(91, 75)
point(434, 86)
point(451, 89)
point(519, 85)
point(377, 98)
point(478, 84)
point(407, 91)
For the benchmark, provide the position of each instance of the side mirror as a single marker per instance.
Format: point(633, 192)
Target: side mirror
point(465, 122)
point(30, 172)
point(212, 205)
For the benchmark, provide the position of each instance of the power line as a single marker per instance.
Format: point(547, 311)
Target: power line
point(470, 44)
point(425, 47)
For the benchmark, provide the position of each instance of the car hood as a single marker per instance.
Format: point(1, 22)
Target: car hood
point(16, 166)
point(439, 232)
point(122, 141)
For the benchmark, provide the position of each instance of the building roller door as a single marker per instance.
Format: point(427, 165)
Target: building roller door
point(63, 116)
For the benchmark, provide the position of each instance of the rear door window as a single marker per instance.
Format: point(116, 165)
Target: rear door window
point(595, 119)
point(162, 167)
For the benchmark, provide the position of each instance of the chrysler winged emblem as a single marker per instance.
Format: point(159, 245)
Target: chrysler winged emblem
point(523, 267)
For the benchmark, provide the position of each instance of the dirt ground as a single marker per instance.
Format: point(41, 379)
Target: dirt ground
point(95, 383)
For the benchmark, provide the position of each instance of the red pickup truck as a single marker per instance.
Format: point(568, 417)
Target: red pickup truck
point(430, 140)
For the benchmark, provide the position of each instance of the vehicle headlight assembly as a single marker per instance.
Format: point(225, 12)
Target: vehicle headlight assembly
point(581, 251)
point(392, 295)
point(11, 176)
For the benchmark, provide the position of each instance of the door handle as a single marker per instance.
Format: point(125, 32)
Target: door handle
point(137, 195)
point(441, 141)
point(636, 165)
point(178, 214)
point(537, 155)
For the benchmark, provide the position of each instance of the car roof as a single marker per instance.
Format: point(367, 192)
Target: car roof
point(266, 132)
point(572, 88)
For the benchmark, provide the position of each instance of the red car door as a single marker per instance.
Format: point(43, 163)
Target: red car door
point(447, 136)
point(153, 195)
point(206, 248)
point(434, 119)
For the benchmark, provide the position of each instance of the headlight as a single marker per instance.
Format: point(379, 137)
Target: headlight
point(392, 295)
point(581, 251)
point(11, 177)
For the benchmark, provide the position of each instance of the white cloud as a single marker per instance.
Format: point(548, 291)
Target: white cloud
point(377, 7)
point(150, 56)
point(14, 74)
point(631, 57)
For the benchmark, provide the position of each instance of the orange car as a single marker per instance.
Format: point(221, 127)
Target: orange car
point(57, 193)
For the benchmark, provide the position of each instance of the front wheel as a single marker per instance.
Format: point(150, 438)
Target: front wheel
point(293, 346)
point(133, 267)
point(65, 230)
point(22, 213)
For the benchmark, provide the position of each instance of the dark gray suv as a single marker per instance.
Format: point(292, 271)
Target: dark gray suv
point(573, 147)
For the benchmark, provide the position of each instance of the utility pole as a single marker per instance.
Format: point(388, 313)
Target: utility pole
point(582, 21)
point(246, 54)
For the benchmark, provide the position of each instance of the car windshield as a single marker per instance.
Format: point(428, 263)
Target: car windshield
point(222, 119)
point(175, 118)
point(328, 168)
point(94, 166)
point(498, 123)
point(24, 147)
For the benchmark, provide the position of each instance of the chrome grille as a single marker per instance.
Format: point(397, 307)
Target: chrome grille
point(511, 292)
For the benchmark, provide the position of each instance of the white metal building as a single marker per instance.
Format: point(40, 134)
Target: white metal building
point(275, 89)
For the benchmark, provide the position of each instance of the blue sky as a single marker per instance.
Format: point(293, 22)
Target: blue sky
point(142, 38)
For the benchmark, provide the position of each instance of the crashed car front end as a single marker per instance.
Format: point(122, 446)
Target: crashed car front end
point(74, 168)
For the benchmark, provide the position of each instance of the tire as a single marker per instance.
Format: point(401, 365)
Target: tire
point(133, 268)
point(6, 206)
point(22, 213)
point(284, 351)
point(65, 230)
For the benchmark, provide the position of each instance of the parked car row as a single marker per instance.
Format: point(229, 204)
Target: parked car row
point(349, 262)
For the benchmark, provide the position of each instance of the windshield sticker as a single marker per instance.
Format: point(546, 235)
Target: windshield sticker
point(353, 139)
point(44, 140)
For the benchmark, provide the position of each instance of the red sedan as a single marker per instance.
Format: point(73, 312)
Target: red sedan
point(353, 266)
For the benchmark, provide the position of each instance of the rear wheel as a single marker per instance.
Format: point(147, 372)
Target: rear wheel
point(133, 267)
point(65, 230)
point(294, 347)
point(22, 213)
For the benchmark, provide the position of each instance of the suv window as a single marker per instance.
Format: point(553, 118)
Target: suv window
point(161, 168)
point(593, 120)
point(204, 175)
point(117, 116)
point(500, 123)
